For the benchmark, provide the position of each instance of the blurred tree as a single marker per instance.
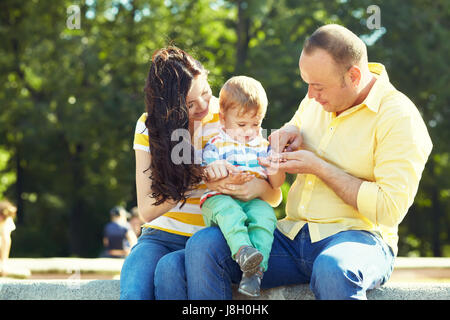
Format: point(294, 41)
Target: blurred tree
point(70, 99)
point(69, 106)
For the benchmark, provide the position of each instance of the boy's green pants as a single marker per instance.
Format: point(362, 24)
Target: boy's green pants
point(250, 223)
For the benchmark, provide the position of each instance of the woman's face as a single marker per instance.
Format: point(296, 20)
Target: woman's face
point(198, 98)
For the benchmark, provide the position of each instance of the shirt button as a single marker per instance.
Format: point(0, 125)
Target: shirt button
point(309, 183)
point(302, 207)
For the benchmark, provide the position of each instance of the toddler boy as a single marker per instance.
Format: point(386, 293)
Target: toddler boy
point(247, 226)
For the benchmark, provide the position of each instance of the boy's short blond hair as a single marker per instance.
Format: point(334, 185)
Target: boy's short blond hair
point(244, 93)
point(7, 209)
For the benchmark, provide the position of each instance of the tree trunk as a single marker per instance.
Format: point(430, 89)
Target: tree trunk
point(19, 188)
point(243, 35)
point(77, 207)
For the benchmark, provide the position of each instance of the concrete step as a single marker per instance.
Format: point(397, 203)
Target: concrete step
point(14, 289)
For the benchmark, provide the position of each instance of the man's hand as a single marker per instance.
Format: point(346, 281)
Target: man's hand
point(343, 184)
point(286, 139)
point(301, 161)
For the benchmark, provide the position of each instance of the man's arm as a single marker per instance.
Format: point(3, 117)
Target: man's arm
point(403, 147)
point(343, 184)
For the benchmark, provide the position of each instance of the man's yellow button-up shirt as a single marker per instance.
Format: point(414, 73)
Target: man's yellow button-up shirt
point(382, 141)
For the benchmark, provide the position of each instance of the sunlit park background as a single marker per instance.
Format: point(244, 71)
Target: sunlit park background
point(70, 97)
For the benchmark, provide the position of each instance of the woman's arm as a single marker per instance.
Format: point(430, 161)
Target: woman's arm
point(147, 211)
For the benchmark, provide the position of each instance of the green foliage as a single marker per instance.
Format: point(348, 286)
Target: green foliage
point(70, 99)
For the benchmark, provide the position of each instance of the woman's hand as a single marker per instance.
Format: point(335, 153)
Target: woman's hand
point(233, 178)
point(245, 191)
point(248, 190)
point(221, 169)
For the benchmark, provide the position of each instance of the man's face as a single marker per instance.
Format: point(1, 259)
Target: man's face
point(328, 84)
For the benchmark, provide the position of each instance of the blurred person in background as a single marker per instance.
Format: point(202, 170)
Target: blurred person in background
point(7, 215)
point(135, 221)
point(118, 235)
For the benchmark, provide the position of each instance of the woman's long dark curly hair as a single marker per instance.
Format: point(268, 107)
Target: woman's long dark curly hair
point(169, 80)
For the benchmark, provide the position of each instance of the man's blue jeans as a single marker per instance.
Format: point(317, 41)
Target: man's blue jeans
point(137, 274)
point(342, 266)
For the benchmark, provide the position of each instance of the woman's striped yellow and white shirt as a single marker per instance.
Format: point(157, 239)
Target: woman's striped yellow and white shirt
point(188, 219)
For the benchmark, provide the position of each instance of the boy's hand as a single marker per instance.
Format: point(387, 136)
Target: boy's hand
point(272, 162)
point(219, 169)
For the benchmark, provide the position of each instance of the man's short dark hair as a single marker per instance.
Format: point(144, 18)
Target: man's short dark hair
point(343, 45)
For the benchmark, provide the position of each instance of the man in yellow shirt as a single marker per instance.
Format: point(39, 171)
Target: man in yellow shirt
point(358, 147)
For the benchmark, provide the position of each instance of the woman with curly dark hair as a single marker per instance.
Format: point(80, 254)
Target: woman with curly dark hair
point(181, 115)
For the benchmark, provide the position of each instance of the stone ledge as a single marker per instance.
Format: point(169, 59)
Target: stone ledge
point(12, 289)
point(25, 267)
point(390, 291)
point(67, 265)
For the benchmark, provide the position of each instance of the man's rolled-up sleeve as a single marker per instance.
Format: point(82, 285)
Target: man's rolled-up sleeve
point(402, 149)
point(367, 200)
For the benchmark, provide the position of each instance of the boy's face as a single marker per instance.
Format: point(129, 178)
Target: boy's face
point(240, 126)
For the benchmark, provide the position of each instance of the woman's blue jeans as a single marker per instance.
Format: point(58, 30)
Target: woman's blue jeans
point(342, 266)
point(138, 270)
